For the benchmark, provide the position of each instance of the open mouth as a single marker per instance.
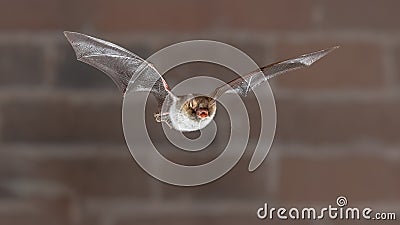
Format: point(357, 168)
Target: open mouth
point(202, 113)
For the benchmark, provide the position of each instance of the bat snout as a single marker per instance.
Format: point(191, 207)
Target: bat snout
point(202, 113)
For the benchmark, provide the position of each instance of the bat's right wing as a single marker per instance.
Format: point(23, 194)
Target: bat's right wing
point(247, 82)
point(119, 64)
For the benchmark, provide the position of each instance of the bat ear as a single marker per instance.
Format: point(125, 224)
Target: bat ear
point(212, 102)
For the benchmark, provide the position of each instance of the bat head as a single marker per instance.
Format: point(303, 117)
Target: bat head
point(200, 107)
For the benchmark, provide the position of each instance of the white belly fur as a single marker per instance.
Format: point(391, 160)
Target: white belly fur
point(181, 122)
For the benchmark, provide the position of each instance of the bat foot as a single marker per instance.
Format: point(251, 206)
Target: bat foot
point(159, 117)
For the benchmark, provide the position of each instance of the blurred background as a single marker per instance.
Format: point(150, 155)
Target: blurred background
point(63, 159)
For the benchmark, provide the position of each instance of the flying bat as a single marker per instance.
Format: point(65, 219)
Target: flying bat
point(189, 112)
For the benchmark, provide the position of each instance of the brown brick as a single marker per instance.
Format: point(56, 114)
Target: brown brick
point(355, 65)
point(337, 122)
point(238, 183)
point(397, 69)
point(377, 15)
point(36, 211)
point(43, 15)
point(257, 51)
point(98, 176)
point(127, 15)
point(83, 176)
point(20, 64)
point(193, 15)
point(323, 179)
point(266, 15)
point(60, 120)
point(211, 219)
point(155, 15)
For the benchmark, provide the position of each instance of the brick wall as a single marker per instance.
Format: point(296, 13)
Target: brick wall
point(338, 129)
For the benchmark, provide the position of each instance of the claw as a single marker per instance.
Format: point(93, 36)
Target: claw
point(157, 117)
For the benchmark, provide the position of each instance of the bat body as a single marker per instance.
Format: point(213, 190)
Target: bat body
point(191, 112)
point(183, 113)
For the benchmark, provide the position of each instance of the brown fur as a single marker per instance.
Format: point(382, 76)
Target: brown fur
point(199, 102)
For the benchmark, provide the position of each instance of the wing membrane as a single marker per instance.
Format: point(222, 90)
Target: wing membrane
point(246, 83)
point(119, 64)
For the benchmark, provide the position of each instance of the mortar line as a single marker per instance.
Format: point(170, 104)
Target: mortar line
point(50, 61)
point(45, 38)
point(389, 65)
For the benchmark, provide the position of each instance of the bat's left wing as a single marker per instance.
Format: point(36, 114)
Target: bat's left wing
point(244, 84)
point(119, 64)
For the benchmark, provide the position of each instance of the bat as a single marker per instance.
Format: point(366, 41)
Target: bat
point(185, 113)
